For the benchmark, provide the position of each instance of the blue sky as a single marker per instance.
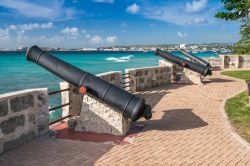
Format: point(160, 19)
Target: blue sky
point(95, 23)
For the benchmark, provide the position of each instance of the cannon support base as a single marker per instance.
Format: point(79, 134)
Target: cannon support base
point(190, 77)
point(97, 117)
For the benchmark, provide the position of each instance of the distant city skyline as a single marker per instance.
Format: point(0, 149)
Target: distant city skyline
point(98, 23)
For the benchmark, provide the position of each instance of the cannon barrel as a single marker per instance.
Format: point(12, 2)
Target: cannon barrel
point(203, 70)
point(195, 58)
point(131, 106)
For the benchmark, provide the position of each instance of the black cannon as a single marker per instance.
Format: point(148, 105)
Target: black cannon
point(131, 106)
point(195, 58)
point(196, 67)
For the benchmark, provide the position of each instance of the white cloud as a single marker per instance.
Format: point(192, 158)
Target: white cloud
point(13, 27)
point(111, 39)
point(96, 39)
point(133, 9)
point(197, 21)
point(71, 31)
point(4, 34)
point(181, 35)
point(196, 5)
point(87, 36)
point(84, 31)
point(51, 10)
point(173, 14)
point(104, 1)
point(31, 26)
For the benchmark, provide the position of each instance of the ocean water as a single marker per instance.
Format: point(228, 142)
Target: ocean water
point(16, 73)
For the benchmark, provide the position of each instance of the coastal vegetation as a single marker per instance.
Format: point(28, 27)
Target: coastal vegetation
point(238, 11)
point(238, 107)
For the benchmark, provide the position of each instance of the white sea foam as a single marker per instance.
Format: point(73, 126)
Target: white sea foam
point(121, 59)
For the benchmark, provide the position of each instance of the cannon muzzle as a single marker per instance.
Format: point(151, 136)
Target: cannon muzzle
point(196, 67)
point(131, 106)
point(195, 58)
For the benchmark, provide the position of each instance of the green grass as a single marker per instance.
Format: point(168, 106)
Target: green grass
point(243, 74)
point(238, 108)
point(238, 111)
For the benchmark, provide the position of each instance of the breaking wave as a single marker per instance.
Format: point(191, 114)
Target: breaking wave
point(121, 59)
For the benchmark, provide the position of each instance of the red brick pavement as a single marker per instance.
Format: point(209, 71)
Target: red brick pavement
point(187, 128)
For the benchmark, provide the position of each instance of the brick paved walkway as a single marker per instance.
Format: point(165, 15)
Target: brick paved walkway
point(187, 128)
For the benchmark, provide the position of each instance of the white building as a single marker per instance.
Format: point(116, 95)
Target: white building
point(182, 46)
point(194, 47)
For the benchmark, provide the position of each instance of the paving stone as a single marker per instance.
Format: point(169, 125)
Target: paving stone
point(187, 128)
point(19, 141)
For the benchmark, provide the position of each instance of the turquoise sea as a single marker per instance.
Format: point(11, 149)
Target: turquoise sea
point(17, 74)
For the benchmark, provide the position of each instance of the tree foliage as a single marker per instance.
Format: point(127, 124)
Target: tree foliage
point(238, 10)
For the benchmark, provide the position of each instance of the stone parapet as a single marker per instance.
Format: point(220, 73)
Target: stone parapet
point(24, 115)
point(148, 77)
point(216, 63)
point(244, 61)
point(177, 70)
point(113, 77)
point(231, 61)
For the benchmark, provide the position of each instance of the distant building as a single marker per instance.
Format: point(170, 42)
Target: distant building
point(182, 46)
point(22, 48)
point(194, 47)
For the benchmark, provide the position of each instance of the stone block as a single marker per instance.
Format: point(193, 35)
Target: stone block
point(10, 125)
point(42, 98)
point(42, 122)
point(98, 117)
point(3, 108)
point(139, 73)
point(24, 138)
point(32, 118)
point(190, 77)
point(21, 103)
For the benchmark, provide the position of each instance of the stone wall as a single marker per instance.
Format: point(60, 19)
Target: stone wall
point(144, 78)
point(236, 61)
point(231, 61)
point(113, 77)
point(24, 115)
point(216, 63)
point(244, 61)
point(177, 70)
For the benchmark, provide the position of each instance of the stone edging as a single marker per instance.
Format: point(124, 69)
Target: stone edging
point(227, 121)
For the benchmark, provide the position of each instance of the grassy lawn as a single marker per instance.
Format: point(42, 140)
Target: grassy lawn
point(238, 111)
point(237, 108)
point(243, 74)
